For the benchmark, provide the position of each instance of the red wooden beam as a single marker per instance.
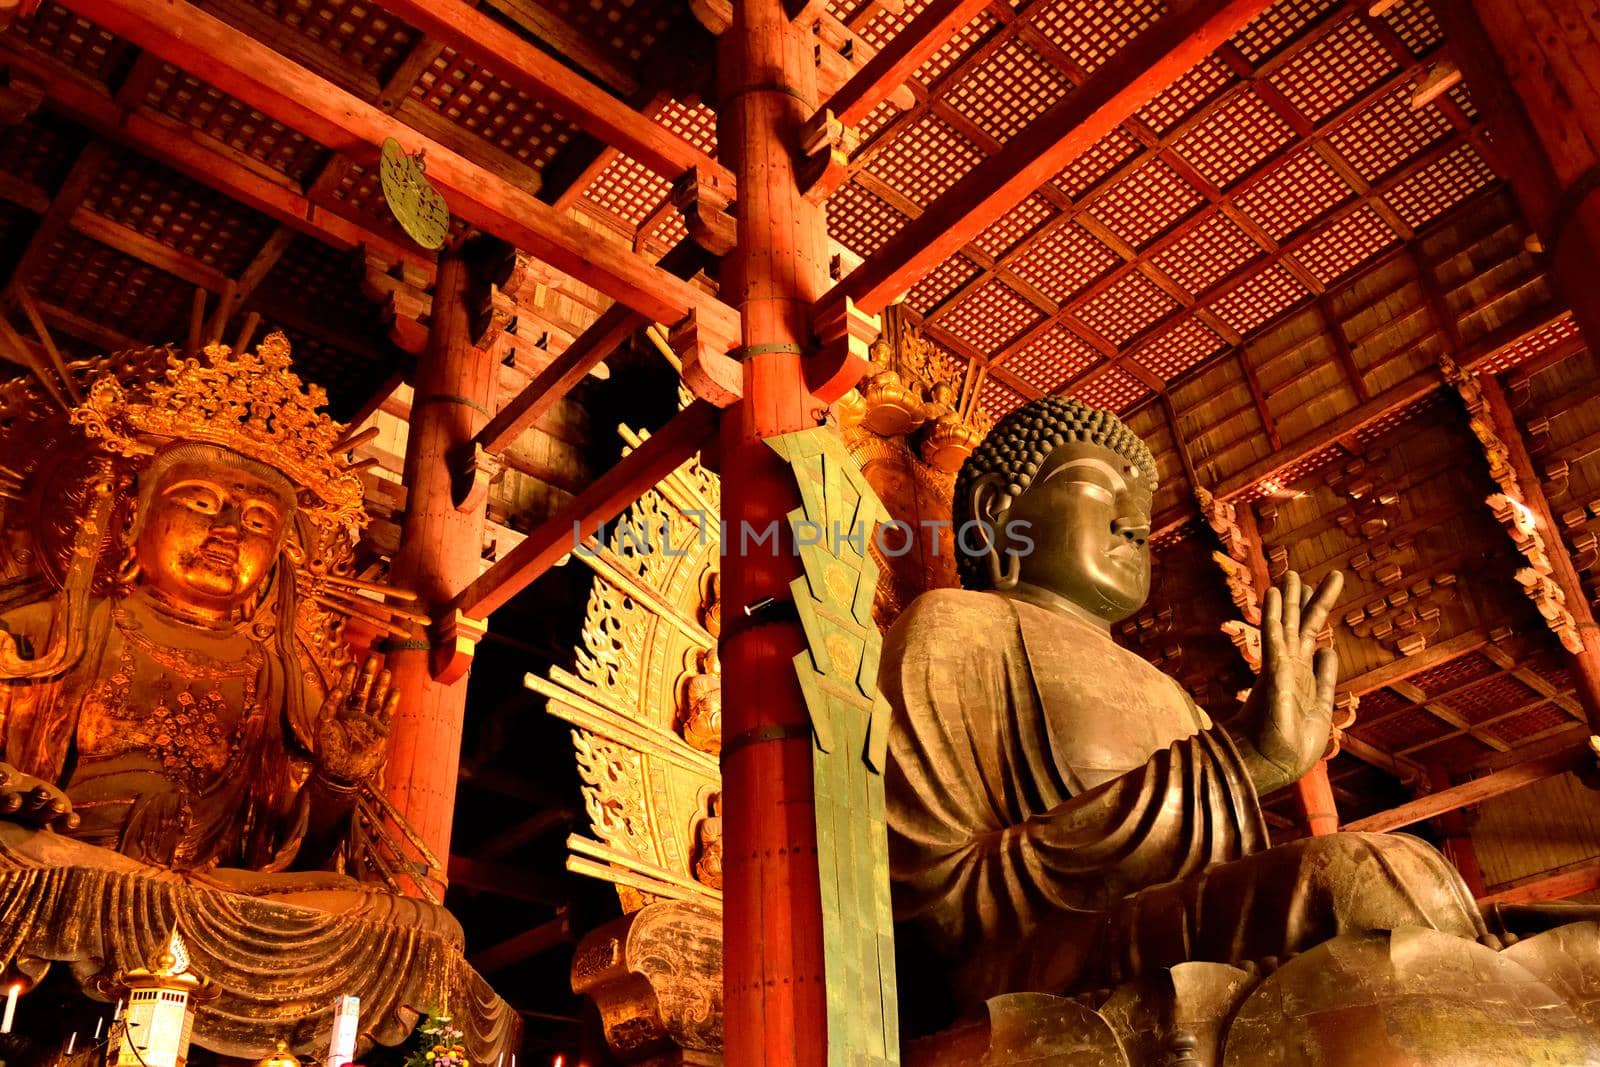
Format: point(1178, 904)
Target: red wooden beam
point(523, 946)
point(184, 152)
point(1385, 403)
point(545, 78)
point(587, 351)
point(614, 326)
point(1584, 878)
point(1133, 77)
point(266, 80)
point(1473, 792)
point(661, 454)
point(909, 49)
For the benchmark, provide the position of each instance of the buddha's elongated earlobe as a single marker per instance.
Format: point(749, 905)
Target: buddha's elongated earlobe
point(1013, 570)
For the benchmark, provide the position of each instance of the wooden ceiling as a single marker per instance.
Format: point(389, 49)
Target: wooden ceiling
point(1260, 269)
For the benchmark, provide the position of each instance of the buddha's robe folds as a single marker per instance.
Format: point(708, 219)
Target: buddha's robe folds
point(1061, 816)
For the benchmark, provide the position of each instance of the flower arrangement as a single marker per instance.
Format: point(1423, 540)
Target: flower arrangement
point(440, 1046)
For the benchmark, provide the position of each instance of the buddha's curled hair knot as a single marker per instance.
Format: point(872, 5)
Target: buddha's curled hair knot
point(1020, 443)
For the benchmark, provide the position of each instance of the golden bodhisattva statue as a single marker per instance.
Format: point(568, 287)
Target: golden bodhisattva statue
point(1065, 820)
point(179, 709)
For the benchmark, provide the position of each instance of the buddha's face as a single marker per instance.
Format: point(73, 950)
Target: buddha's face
point(211, 532)
point(1088, 516)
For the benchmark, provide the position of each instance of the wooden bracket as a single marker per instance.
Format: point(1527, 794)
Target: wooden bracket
point(704, 202)
point(844, 332)
point(709, 372)
point(825, 147)
point(20, 94)
point(12, 10)
point(454, 638)
point(472, 468)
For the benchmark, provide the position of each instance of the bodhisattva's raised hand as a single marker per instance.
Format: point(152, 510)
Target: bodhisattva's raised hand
point(353, 729)
point(1289, 714)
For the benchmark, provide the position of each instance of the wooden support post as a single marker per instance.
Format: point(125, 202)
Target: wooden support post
point(1457, 843)
point(775, 1011)
point(1317, 804)
point(1586, 663)
point(1530, 65)
point(439, 549)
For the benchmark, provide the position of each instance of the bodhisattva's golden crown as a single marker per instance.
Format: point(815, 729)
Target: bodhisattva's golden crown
point(252, 404)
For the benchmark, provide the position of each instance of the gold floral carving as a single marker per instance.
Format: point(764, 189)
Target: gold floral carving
point(644, 700)
point(918, 391)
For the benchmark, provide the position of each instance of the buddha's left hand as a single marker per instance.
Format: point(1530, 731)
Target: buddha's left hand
point(353, 727)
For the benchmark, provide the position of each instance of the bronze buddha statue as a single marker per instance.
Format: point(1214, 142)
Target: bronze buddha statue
point(1063, 818)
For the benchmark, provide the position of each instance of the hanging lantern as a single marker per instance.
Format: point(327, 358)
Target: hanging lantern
point(160, 1013)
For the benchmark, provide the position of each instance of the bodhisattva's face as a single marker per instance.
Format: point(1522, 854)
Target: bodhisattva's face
point(1088, 511)
point(211, 534)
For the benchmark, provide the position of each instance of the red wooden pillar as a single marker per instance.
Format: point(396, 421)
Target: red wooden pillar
point(1531, 66)
point(1457, 843)
point(775, 1011)
point(439, 552)
point(1315, 794)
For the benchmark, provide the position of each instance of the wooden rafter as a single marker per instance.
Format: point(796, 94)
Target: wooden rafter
point(1569, 881)
point(237, 293)
point(1154, 146)
point(264, 79)
point(1473, 792)
point(1396, 398)
point(481, 39)
point(193, 156)
point(1153, 334)
point(604, 499)
point(890, 69)
point(74, 188)
point(1141, 70)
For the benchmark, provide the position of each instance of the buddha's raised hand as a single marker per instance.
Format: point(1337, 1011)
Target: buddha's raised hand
point(1289, 713)
point(353, 727)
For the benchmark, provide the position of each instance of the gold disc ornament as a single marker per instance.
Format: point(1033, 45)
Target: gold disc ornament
point(416, 205)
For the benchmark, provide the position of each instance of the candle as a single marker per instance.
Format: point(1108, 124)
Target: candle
point(118, 1013)
point(346, 1021)
point(11, 1009)
point(98, 1024)
point(72, 1042)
